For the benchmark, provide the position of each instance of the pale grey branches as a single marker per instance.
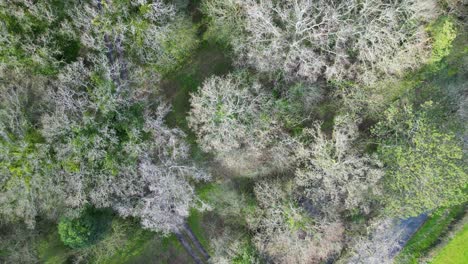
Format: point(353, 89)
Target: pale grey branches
point(18, 244)
point(284, 231)
point(234, 118)
point(335, 40)
point(117, 152)
point(333, 175)
point(150, 32)
point(382, 241)
point(27, 189)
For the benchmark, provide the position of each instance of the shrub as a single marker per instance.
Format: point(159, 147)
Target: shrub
point(85, 230)
point(443, 33)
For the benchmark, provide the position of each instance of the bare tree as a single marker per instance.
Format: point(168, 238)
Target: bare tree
point(332, 175)
point(22, 26)
point(160, 193)
point(17, 244)
point(379, 245)
point(234, 119)
point(286, 234)
point(155, 35)
point(336, 40)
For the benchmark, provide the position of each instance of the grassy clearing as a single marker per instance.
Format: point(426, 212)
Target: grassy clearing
point(456, 251)
point(166, 250)
point(428, 235)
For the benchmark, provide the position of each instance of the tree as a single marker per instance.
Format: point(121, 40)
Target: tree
point(285, 233)
point(425, 163)
point(27, 42)
point(333, 175)
point(84, 230)
point(18, 244)
point(335, 40)
point(235, 119)
point(27, 182)
point(117, 151)
point(233, 245)
point(49, 160)
point(152, 33)
point(380, 243)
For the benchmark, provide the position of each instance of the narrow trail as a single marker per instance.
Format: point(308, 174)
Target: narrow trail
point(196, 242)
point(192, 245)
point(188, 248)
point(407, 227)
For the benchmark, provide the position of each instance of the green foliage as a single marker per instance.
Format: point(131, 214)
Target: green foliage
point(290, 112)
point(178, 45)
point(294, 220)
point(29, 44)
point(50, 248)
point(76, 233)
point(125, 241)
point(114, 124)
point(231, 203)
point(224, 32)
point(23, 154)
point(443, 32)
point(424, 162)
point(85, 230)
point(248, 254)
point(429, 234)
point(425, 167)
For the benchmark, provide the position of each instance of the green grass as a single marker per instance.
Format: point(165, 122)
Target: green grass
point(237, 195)
point(51, 250)
point(195, 222)
point(136, 243)
point(208, 60)
point(428, 235)
point(456, 251)
point(165, 250)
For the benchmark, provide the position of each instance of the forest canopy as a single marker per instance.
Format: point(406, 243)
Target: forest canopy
point(229, 131)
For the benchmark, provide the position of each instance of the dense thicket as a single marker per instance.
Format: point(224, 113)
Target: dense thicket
point(88, 133)
point(425, 165)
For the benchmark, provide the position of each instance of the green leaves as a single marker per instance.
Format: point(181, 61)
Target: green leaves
point(424, 162)
point(443, 33)
point(84, 230)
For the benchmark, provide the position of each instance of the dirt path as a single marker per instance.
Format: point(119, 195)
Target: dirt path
point(407, 228)
point(195, 241)
point(191, 244)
